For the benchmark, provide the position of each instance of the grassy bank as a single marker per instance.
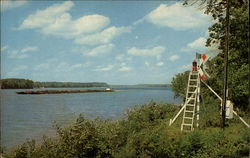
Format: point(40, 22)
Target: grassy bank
point(143, 133)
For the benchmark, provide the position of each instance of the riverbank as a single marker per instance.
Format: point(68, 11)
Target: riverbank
point(143, 133)
point(64, 91)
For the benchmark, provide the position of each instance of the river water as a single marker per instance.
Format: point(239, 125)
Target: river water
point(32, 116)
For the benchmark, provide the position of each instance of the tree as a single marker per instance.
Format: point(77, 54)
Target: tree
point(179, 84)
point(238, 45)
point(238, 68)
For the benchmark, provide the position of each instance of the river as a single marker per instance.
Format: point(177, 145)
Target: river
point(32, 116)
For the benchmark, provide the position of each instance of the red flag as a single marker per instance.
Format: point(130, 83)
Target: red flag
point(203, 77)
point(204, 56)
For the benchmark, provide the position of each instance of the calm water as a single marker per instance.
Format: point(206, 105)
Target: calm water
point(31, 116)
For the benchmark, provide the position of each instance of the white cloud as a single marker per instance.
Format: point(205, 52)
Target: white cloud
point(147, 63)
point(65, 67)
point(105, 36)
point(178, 17)
point(104, 68)
point(103, 49)
point(3, 48)
point(66, 27)
point(46, 17)
point(174, 57)
point(55, 20)
point(185, 67)
point(78, 66)
point(160, 63)
point(122, 57)
point(155, 51)
point(22, 53)
point(43, 66)
point(89, 29)
point(29, 49)
point(198, 44)
point(125, 68)
point(10, 4)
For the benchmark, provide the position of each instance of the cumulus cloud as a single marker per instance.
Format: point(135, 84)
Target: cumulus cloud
point(155, 51)
point(22, 53)
point(55, 20)
point(103, 37)
point(160, 63)
point(185, 67)
point(46, 17)
point(198, 44)
point(178, 17)
point(29, 49)
point(122, 57)
point(174, 57)
point(11, 4)
point(124, 67)
point(89, 29)
point(102, 49)
point(104, 68)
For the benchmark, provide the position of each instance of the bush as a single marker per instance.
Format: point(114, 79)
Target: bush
point(143, 133)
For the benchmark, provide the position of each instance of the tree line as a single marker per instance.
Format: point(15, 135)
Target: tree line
point(16, 83)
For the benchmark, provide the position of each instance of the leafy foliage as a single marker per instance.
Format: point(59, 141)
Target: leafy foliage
point(179, 84)
point(238, 45)
point(238, 66)
point(15, 83)
point(143, 133)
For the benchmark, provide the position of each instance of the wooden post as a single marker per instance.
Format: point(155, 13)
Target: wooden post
point(223, 116)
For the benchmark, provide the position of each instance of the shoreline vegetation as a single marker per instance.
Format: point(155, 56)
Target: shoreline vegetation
point(19, 83)
point(64, 91)
point(144, 132)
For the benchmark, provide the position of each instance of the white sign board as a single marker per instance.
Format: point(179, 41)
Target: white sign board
point(229, 109)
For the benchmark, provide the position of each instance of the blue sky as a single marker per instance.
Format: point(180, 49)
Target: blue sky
point(117, 42)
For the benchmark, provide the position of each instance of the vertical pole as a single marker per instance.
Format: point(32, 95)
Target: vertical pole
point(198, 103)
point(223, 120)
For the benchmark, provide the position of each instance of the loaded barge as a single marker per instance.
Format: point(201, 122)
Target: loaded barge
point(64, 91)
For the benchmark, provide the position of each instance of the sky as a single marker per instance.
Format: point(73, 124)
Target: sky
point(118, 42)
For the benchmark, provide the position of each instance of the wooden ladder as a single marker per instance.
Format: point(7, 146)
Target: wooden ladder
point(191, 100)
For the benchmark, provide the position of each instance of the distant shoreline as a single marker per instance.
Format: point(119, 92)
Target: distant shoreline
point(63, 91)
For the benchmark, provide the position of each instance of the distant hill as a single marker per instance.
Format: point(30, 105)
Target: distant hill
point(18, 83)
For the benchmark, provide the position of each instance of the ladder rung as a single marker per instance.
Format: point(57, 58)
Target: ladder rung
point(191, 98)
point(185, 124)
point(191, 92)
point(190, 105)
point(189, 111)
point(188, 118)
point(193, 79)
point(192, 85)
